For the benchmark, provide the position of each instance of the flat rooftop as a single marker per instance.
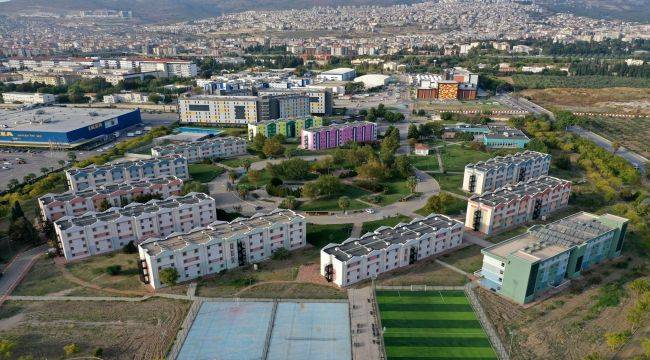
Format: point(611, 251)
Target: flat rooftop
point(218, 230)
point(175, 148)
point(56, 119)
point(340, 126)
point(514, 192)
point(508, 160)
point(382, 238)
point(541, 242)
point(337, 71)
point(123, 164)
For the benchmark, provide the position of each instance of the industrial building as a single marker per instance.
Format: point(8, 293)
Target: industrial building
point(547, 256)
point(218, 147)
point(211, 109)
point(75, 203)
point(327, 137)
point(338, 74)
point(370, 81)
point(503, 137)
point(386, 249)
point(27, 98)
point(94, 176)
point(289, 128)
point(453, 84)
point(221, 245)
point(513, 205)
point(100, 232)
point(63, 127)
point(503, 170)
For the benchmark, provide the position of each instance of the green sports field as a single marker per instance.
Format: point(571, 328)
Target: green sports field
point(428, 325)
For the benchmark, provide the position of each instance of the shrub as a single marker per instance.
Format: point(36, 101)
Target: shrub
point(130, 248)
point(99, 352)
point(169, 276)
point(71, 349)
point(114, 270)
point(369, 185)
point(281, 254)
point(616, 340)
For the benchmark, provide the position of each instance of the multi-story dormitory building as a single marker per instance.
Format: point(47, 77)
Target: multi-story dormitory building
point(386, 249)
point(221, 245)
point(503, 170)
point(218, 147)
point(514, 205)
point(129, 171)
point(74, 203)
point(528, 265)
point(100, 232)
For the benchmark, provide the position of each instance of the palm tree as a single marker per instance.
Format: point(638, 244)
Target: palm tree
point(344, 203)
point(412, 183)
point(45, 170)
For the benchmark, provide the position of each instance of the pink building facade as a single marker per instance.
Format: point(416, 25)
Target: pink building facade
point(327, 137)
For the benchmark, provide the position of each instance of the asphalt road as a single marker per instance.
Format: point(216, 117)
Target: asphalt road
point(632, 157)
point(16, 268)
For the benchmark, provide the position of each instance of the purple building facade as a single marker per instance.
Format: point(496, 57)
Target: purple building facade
point(327, 137)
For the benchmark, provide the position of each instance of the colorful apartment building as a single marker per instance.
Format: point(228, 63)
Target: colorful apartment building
point(94, 176)
point(221, 246)
point(386, 249)
point(547, 256)
point(447, 90)
point(75, 203)
point(513, 205)
point(503, 137)
point(327, 137)
point(503, 170)
point(217, 147)
point(101, 232)
point(290, 128)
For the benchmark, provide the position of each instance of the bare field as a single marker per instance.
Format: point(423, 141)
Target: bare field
point(124, 330)
point(631, 133)
point(608, 100)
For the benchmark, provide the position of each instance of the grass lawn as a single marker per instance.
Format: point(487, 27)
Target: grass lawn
point(468, 258)
point(497, 238)
point(231, 281)
point(332, 203)
point(264, 179)
point(43, 278)
point(395, 190)
point(425, 163)
point(321, 235)
point(425, 272)
point(391, 221)
point(237, 161)
point(431, 325)
point(205, 172)
point(233, 131)
point(453, 206)
point(455, 157)
point(450, 182)
point(94, 270)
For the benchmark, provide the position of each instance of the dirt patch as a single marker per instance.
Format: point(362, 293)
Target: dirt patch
point(11, 322)
point(608, 100)
point(311, 273)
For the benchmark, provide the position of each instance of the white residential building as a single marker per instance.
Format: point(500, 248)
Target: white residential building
point(129, 171)
point(56, 206)
point(218, 147)
point(27, 98)
point(129, 97)
point(169, 68)
point(513, 205)
point(338, 74)
point(503, 170)
point(221, 246)
point(386, 249)
point(101, 232)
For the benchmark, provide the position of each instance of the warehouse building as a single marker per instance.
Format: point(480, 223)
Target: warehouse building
point(221, 246)
point(513, 205)
point(503, 170)
point(338, 74)
point(327, 137)
point(371, 81)
point(289, 128)
point(547, 256)
point(63, 127)
point(27, 98)
point(75, 203)
point(100, 232)
point(386, 249)
point(94, 176)
point(218, 147)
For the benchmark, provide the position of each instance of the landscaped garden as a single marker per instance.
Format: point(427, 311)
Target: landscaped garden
point(205, 172)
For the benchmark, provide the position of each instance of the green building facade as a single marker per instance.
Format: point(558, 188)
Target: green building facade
point(546, 256)
point(290, 128)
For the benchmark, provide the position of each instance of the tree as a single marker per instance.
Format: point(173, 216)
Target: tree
point(61, 162)
point(155, 98)
point(246, 163)
point(373, 170)
point(232, 175)
point(16, 212)
point(104, 205)
point(48, 230)
point(273, 147)
point(130, 248)
point(258, 142)
point(29, 177)
point(403, 166)
point(616, 145)
point(412, 183)
point(22, 231)
point(195, 186)
point(71, 349)
point(413, 132)
point(537, 145)
point(99, 352)
point(281, 254)
point(344, 203)
point(113, 270)
point(45, 170)
point(6, 348)
point(289, 202)
point(169, 276)
point(328, 185)
point(254, 176)
point(310, 190)
point(13, 184)
point(72, 156)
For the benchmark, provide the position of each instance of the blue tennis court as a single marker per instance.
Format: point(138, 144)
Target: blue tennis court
point(314, 331)
point(228, 331)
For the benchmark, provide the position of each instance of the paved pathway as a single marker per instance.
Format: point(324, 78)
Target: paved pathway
point(451, 267)
point(469, 236)
point(356, 230)
point(17, 269)
point(365, 345)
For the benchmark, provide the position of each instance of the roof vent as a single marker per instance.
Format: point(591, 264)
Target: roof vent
point(93, 113)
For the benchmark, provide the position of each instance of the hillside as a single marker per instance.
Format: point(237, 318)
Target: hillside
point(629, 10)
